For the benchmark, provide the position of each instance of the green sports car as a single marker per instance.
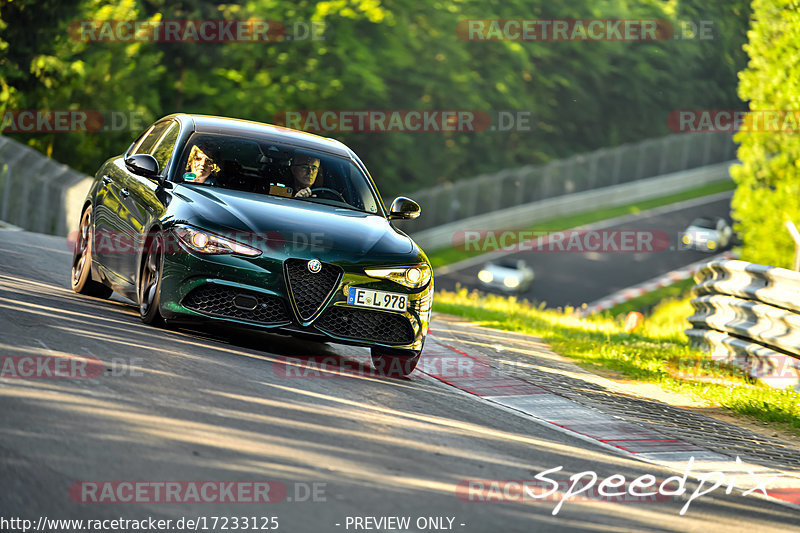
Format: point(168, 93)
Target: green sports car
point(209, 219)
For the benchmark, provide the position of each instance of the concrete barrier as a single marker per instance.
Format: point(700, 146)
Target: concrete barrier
point(37, 193)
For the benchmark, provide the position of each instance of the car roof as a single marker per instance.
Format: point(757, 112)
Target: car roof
point(234, 126)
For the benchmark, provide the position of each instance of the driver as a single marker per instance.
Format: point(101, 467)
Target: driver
point(304, 173)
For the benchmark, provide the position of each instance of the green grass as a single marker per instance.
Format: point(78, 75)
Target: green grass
point(658, 352)
point(449, 255)
point(646, 302)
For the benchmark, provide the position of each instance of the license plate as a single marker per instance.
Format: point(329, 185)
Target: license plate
point(377, 299)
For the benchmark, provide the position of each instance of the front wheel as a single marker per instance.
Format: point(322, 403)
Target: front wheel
point(81, 279)
point(150, 281)
point(394, 363)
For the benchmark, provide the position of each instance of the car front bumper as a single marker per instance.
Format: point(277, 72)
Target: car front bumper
point(254, 292)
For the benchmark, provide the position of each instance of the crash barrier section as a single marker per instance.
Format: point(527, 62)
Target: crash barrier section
point(37, 193)
point(40, 194)
point(748, 315)
point(607, 167)
point(527, 215)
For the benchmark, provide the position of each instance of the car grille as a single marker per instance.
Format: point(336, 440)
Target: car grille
point(310, 290)
point(230, 302)
point(361, 324)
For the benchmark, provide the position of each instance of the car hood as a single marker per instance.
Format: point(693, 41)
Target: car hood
point(702, 233)
point(263, 220)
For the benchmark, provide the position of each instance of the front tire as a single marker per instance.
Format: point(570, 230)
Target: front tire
point(150, 282)
point(81, 278)
point(394, 363)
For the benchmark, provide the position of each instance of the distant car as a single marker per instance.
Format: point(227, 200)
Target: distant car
point(245, 250)
point(707, 234)
point(511, 276)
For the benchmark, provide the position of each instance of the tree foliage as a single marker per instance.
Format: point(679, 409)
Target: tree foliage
point(377, 55)
point(768, 180)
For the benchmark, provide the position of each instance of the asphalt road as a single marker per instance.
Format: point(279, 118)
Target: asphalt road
point(575, 277)
point(213, 406)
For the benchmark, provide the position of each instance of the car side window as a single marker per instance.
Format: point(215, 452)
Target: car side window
point(152, 138)
point(165, 145)
point(135, 146)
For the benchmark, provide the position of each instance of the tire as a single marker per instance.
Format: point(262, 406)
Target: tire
point(150, 281)
point(394, 363)
point(81, 277)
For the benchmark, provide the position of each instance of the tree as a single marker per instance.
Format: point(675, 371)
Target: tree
point(377, 55)
point(768, 180)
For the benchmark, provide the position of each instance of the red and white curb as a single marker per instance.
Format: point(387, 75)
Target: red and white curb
point(643, 288)
point(556, 412)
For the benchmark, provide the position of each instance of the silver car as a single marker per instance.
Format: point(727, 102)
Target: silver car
point(512, 276)
point(707, 234)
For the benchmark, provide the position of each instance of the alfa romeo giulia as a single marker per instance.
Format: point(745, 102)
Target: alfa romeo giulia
point(209, 219)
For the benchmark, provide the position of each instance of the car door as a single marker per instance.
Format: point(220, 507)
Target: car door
point(109, 213)
point(144, 205)
point(132, 219)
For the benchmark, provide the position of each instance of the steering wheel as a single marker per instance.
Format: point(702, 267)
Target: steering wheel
point(333, 192)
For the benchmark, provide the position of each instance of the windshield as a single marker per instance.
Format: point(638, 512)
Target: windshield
point(704, 223)
point(265, 167)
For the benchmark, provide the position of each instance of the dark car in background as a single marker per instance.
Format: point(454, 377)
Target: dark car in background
point(242, 249)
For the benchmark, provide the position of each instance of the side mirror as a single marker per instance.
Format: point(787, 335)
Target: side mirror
point(143, 165)
point(404, 208)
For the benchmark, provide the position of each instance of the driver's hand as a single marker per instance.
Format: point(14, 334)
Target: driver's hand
point(303, 193)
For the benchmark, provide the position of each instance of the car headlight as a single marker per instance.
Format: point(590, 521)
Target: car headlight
point(711, 244)
point(511, 282)
point(209, 243)
point(686, 239)
point(485, 276)
point(414, 276)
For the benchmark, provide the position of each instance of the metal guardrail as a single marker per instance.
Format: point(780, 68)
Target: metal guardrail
point(526, 215)
point(37, 193)
point(749, 315)
point(487, 193)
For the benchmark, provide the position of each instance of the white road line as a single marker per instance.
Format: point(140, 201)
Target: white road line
point(547, 409)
